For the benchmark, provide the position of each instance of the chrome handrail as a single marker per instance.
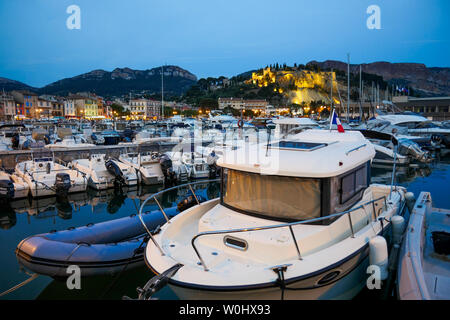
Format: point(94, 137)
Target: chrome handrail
point(153, 196)
point(289, 225)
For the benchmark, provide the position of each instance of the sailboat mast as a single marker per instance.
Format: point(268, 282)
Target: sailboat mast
point(162, 92)
point(348, 86)
point(331, 75)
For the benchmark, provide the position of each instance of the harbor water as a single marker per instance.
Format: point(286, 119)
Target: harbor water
point(23, 218)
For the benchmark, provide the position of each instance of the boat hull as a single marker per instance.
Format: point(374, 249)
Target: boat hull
point(349, 282)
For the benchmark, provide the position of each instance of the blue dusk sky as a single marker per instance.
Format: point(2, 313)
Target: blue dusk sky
point(214, 37)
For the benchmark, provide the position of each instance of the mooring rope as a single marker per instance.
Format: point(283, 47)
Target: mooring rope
point(20, 285)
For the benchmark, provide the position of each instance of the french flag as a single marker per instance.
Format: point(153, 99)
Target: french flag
point(335, 120)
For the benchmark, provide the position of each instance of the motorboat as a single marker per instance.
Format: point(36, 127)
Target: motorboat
point(180, 169)
point(196, 164)
point(293, 221)
point(95, 169)
point(147, 166)
point(424, 268)
point(416, 124)
point(406, 151)
point(45, 177)
point(124, 174)
point(71, 142)
point(12, 186)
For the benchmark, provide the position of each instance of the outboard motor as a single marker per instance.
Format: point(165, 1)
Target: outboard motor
point(189, 202)
point(47, 139)
point(167, 169)
point(26, 145)
point(6, 189)
point(211, 161)
point(114, 169)
point(62, 183)
point(410, 148)
point(440, 140)
point(15, 139)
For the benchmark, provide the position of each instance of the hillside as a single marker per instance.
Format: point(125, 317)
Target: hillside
point(425, 81)
point(121, 81)
point(9, 85)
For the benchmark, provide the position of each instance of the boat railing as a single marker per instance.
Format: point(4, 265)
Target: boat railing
point(291, 224)
point(154, 197)
point(375, 215)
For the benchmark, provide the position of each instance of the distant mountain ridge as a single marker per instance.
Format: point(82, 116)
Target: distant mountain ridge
point(9, 85)
point(429, 81)
point(123, 80)
point(117, 82)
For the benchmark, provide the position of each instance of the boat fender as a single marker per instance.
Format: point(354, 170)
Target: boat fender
point(410, 201)
point(378, 255)
point(398, 227)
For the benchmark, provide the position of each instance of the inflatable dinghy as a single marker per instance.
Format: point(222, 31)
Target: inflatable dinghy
point(102, 248)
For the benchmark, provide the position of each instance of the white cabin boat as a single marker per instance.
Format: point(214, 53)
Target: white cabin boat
point(293, 221)
point(147, 166)
point(46, 177)
point(94, 168)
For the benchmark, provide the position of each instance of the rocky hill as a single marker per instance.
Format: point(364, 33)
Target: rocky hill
point(123, 80)
point(9, 85)
point(427, 81)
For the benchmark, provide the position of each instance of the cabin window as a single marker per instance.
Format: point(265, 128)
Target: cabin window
point(353, 183)
point(277, 197)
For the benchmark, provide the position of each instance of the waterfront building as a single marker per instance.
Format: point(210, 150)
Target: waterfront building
point(138, 108)
point(26, 103)
point(235, 103)
point(434, 108)
point(7, 107)
point(69, 108)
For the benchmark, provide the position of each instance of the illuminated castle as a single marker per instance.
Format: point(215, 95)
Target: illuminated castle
point(300, 86)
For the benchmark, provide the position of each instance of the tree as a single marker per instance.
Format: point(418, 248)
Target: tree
point(208, 103)
point(119, 110)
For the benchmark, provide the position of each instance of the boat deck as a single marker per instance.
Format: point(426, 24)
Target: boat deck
point(437, 266)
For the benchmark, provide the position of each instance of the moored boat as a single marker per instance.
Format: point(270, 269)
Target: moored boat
point(293, 221)
point(424, 265)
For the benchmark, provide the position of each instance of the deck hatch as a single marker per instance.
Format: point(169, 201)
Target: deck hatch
point(297, 145)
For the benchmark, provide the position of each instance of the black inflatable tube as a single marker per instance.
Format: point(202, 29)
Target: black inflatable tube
point(103, 248)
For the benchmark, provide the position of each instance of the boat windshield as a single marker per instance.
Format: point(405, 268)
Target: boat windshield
point(274, 197)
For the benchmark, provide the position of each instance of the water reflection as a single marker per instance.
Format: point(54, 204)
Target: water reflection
point(64, 207)
point(33, 216)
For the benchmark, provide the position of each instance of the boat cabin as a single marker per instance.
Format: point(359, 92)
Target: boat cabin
point(312, 174)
